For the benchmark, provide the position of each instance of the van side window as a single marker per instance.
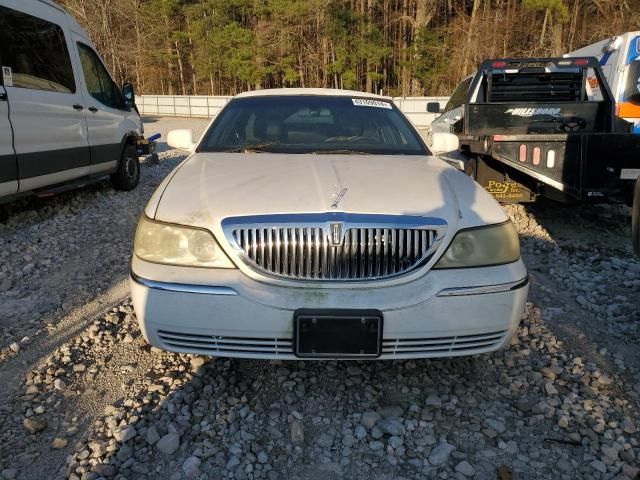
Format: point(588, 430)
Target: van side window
point(36, 51)
point(632, 83)
point(98, 80)
point(458, 95)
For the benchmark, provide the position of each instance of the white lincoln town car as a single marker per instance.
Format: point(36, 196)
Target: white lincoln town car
point(313, 223)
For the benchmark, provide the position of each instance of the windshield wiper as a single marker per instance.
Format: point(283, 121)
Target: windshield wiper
point(258, 147)
point(338, 151)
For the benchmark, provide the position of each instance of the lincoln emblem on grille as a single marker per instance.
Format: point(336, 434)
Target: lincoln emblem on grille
point(336, 234)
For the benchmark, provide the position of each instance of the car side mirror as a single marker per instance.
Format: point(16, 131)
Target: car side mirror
point(443, 142)
point(129, 95)
point(433, 107)
point(182, 139)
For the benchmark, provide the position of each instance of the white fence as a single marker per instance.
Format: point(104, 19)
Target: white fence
point(180, 106)
point(203, 106)
point(416, 108)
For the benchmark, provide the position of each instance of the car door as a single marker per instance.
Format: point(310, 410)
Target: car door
point(46, 107)
point(8, 165)
point(105, 114)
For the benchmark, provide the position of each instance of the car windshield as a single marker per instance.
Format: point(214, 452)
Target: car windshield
point(312, 124)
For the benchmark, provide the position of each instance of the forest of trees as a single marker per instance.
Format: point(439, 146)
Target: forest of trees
point(399, 47)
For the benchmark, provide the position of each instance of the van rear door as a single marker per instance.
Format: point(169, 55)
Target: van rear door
point(47, 107)
point(8, 165)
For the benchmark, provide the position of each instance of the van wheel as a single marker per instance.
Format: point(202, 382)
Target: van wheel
point(128, 175)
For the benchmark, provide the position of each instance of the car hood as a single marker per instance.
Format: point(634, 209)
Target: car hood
point(209, 187)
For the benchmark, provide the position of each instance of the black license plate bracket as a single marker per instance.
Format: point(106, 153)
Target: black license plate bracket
point(332, 333)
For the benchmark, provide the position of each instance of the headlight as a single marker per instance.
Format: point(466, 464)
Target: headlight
point(159, 242)
point(481, 247)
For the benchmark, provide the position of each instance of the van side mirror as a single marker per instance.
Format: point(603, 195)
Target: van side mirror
point(182, 139)
point(433, 107)
point(129, 95)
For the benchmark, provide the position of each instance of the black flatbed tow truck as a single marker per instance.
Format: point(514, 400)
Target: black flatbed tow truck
point(548, 127)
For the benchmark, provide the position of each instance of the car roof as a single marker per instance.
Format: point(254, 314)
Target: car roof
point(328, 92)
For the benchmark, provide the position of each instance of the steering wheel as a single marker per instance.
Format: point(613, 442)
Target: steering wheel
point(573, 124)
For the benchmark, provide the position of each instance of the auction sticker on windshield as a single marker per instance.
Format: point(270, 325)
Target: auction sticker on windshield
point(365, 102)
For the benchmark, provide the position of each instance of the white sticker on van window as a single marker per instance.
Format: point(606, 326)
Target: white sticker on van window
point(366, 102)
point(7, 76)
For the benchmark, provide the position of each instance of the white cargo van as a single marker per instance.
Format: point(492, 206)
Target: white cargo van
point(619, 59)
point(62, 117)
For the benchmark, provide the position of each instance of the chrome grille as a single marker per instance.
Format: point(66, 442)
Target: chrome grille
point(310, 251)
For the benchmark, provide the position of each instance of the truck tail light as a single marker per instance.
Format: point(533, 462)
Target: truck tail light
point(551, 159)
point(523, 153)
point(581, 61)
point(536, 156)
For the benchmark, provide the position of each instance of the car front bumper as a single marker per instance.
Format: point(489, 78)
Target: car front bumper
point(444, 313)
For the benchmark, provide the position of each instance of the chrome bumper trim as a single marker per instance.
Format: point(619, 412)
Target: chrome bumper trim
point(181, 287)
point(483, 290)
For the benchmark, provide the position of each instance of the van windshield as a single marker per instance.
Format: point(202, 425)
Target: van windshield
point(312, 124)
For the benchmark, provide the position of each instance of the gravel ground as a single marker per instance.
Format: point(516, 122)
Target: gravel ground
point(57, 253)
point(83, 395)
